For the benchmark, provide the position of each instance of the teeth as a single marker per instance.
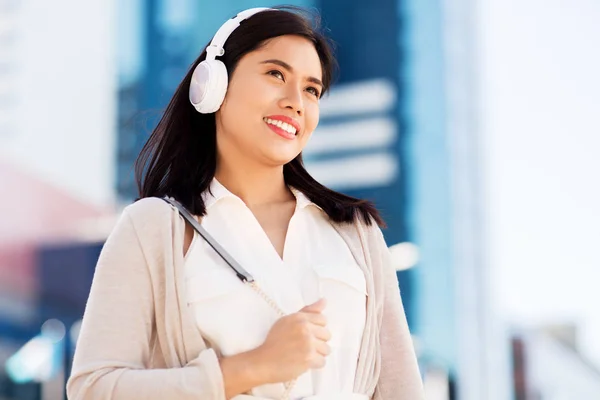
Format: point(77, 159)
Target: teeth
point(283, 125)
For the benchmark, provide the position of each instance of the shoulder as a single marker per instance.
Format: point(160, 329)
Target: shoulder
point(151, 218)
point(365, 241)
point(148, 210)
point(147, 207)
point(361, 233)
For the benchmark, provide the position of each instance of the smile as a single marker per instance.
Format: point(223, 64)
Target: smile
point(288, 128)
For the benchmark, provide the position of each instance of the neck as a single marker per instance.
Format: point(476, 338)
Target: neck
point(258, 186)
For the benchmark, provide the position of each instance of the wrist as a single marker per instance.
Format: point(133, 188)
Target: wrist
point(243, 372)
point(257, 368)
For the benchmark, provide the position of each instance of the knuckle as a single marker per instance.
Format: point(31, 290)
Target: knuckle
point(306, 348)
point(301, 318)
point(305, 331)
point(318, 319)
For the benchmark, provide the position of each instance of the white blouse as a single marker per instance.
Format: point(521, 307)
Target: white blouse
point(316, 263)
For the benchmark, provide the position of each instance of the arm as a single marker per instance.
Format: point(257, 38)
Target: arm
point(114, 347)
point(400, 378)
point(240, 373)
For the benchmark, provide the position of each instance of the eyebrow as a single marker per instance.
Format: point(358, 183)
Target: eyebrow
point(287, 66)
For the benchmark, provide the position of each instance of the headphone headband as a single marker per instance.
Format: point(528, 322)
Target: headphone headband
point(215, 49)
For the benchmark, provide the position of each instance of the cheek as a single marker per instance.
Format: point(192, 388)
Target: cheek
point(236, 109)
point(249, 97)
point(312, 117)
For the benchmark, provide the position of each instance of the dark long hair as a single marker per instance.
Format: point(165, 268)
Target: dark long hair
point(179, 158)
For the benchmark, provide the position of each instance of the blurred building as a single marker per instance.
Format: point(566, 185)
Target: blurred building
point(547, 365)
point(33, 281)
point(56, 139)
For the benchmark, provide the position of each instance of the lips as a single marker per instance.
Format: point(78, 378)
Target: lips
point(284, 122)
point(284, 130)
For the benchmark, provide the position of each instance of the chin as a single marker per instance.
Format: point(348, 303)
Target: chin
point(278, 162)
point(280, 156)
point(279, 159)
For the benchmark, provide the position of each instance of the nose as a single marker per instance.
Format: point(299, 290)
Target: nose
point(292, 100)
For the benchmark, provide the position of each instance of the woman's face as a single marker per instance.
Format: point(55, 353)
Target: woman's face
point(272, 103)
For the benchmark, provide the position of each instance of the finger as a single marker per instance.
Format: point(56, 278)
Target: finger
point(315, 307)
point(317, 362)
point(315, 319)
point(323, 349)
point(321, 333)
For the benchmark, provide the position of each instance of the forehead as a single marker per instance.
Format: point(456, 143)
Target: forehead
point(297, 51)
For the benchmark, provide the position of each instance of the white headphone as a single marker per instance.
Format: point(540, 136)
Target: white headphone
point(209, 79)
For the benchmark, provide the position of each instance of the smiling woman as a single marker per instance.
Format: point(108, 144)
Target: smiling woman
point(293, 294)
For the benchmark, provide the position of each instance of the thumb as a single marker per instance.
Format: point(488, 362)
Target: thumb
point(316, 307)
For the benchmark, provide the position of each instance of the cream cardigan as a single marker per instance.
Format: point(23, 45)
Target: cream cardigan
point(138, 339)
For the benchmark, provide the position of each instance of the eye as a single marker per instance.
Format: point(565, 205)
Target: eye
point(276, 74)
point(314, 91)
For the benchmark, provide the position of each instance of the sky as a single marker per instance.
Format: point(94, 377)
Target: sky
point(61, 80)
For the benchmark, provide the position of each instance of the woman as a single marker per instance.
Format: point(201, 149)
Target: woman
point(167, 318)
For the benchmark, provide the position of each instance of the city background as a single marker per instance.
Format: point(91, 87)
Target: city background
point(473, 125)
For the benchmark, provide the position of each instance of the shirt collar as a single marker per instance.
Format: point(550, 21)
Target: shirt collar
point(301, 200)
point(216, 191)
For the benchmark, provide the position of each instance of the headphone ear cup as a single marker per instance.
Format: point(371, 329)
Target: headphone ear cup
point(208, 86)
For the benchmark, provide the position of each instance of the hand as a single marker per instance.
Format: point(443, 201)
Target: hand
point(295, 343)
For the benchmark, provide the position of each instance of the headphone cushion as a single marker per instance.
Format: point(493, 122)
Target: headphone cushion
point(208, 86)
